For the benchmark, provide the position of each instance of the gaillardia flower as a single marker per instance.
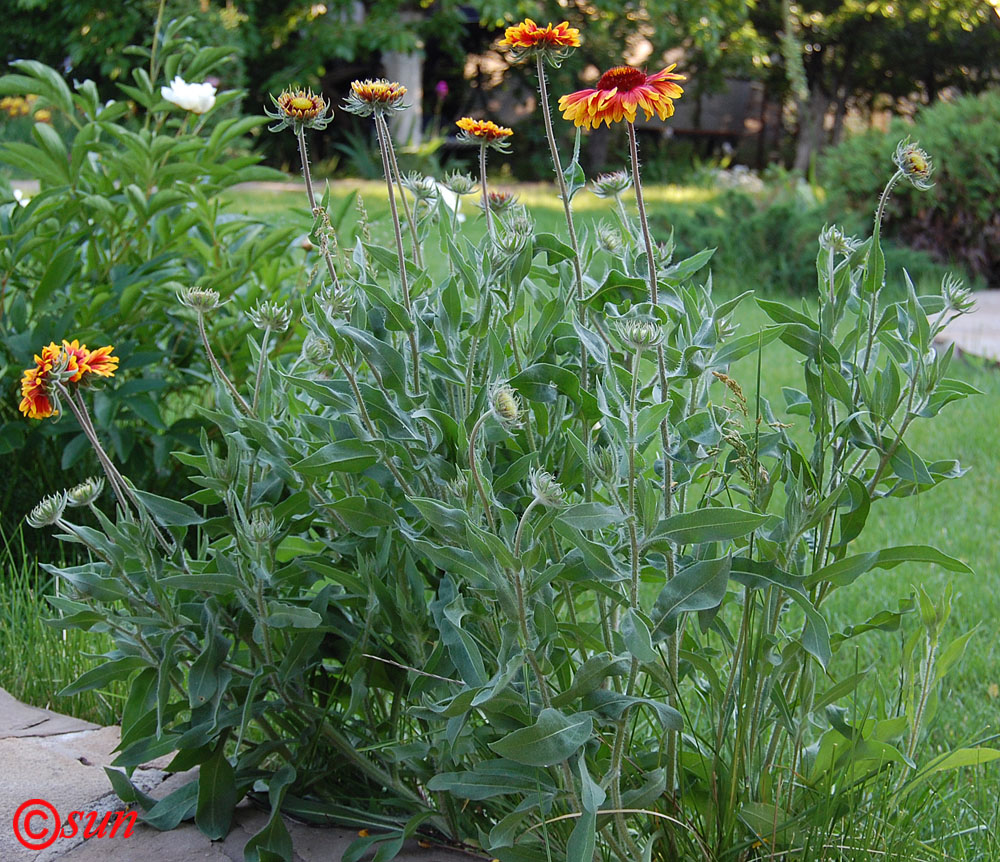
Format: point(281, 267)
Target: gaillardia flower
point(484, 132)
point(915, 164)
point(553, 42)
point(375, 97)
point(69, 362)
point(299, 109)
point(619, 93)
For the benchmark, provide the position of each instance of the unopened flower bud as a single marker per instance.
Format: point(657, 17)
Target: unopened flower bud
point(200, 299)
point(506, 406)
point(261, 529)
point(271, 315)
point(610, 239)
point(459, 183)
point(832, 238)
point(915, 164)
point(48, 511)
point(640, 335)
point(611, 185)
point(423, 188)
point(86, 492)
point(546, 489)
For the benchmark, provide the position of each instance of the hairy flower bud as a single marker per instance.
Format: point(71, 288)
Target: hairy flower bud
point(956, 295)
point(48, 511)
point(546, 490)
point(640, 335)
point(261, 528)
point(832, 238)
point(271, 315)
point(200, 299)
point(506, 406)
point(423, 188)
point(915, 164)
point(610, 239)
point(86, 492)
point(611, 185)
point(459, 183)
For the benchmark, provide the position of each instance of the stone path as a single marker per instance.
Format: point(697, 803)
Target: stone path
point(44, 755)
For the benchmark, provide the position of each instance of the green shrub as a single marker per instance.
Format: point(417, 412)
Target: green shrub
point(765, 237)
point(127, 213)
point(383, 608)
point(958, 220)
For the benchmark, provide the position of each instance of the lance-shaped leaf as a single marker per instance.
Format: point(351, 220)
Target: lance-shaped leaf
point(551, 739)
point(697, 588)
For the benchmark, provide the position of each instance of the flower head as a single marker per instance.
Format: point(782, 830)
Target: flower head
point(441, 88)
point(422, 187)
point(619, 93)
point(611, 185)
point(553, 42)
point(271, 315)
point(546, 490)
point(48, 511)
point(832, 238)
point(915, 164)
point(86, 492)
point(196, 98)
point(610, 238)
point(506, 406)
point(69, 362)
point(459, 183)
point(638, 334)
point(499, 202)
point(484, 132)
point(375, 97)
point(200, 299)
point(298, 110)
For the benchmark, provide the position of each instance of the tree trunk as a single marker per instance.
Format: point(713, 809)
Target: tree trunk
point(408, 70)
point(812, 114)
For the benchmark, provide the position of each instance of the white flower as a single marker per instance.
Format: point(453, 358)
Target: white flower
point(197, 98)
point(20, 198)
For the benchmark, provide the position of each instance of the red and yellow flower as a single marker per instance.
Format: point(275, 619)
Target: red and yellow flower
point(484, 132)
point(620, 93)
point(379, 96)
point(69, 362)
point(554, 41)
point(299, 109)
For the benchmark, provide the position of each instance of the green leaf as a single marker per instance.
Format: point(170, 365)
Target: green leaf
point(955, 760)
point(705, 525)
point(172, 809)
point(102, 675)
point(849, 569)
point(591, 516)
point(699, 587)
point(491, 778)
point(216, 795)
point(168, 512)
point(636, 635)
point(551, 739)
point(283, 615)
point(342, 456)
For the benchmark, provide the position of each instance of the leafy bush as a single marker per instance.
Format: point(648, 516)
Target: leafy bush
point(958, 219)
point(127, 213)
point(509, 559)
point(765, 237)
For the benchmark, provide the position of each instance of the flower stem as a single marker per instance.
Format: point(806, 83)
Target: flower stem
point(403, 280)
point(486, 194)
point(391, 151)
point(543, 89)
point(313, 209)
point(474, 469)
point(218, 368)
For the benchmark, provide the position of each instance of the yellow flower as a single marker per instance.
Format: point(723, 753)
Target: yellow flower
point(69, 362)
point(554, 42)
point(375, 96)
point(300, 109)
point(621, 92)
point(484, 132)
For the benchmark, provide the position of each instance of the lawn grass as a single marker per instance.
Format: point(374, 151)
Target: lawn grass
point(958, 516)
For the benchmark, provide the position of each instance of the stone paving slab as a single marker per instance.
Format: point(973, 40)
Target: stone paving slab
point(978, 333)
point(66, 768)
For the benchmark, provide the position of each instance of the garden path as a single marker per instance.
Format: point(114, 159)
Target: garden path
point(44, 755)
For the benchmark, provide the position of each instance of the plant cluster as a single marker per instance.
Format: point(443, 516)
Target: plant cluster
point(127, 212)
point(510, 560)
point(957, 219)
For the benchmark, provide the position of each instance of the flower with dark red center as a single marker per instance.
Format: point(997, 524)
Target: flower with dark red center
point(69, 362)
point(620, 93)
